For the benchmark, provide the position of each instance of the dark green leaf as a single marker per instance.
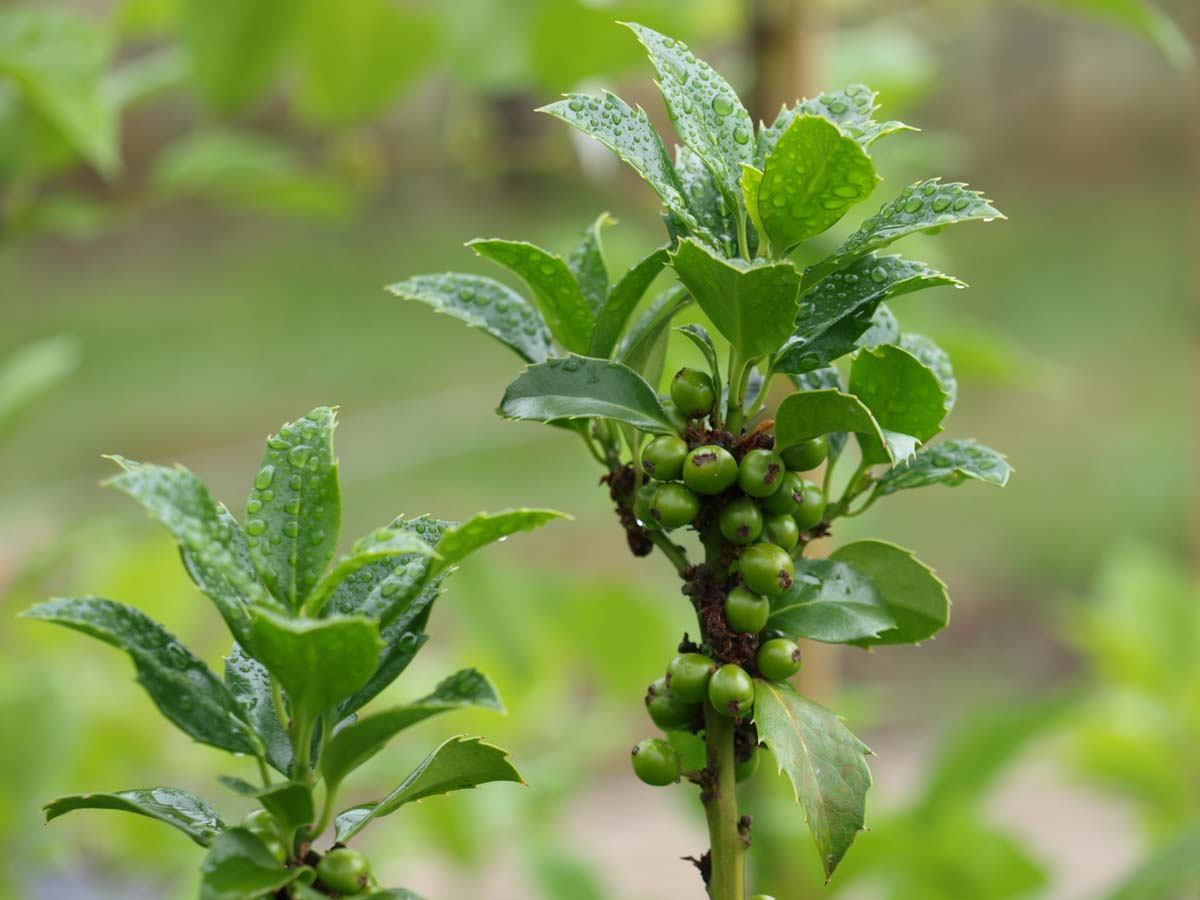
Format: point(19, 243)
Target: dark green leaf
point(558, 296)
point(459, 763)
point(831, 602)
point(934, 358)
point(621, 301)
point(884, 329)
point(699, 336)
point(250, 685)
point(358, 742)
point(851, 110)
point(185, 690)
point(239, 786)
point(818, 379)
point(810, 180)
point(950, 463)
point(294, 512)
point(383, 543)
point(753, 306)
point(904, 396)
point(240, 867)
point(460, 541)
point(812, 413)
point(483, 303)
point(825, 763)
point(214, 548)
point(177, 808)
point(706, 111)
point(914, 595)
point(578, 387)
point(644, 348)
point(587, 264)
point(718, 224)
point(290, 803)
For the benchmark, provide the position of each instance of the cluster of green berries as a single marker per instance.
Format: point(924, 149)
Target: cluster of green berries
point(342, 871)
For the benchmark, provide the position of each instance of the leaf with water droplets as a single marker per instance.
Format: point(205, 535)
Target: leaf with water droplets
point(753, 306)
point(810, 180)
point(628, 133)
point(558, 296)
point(379, 544)
point(184, 689)
point(460, 541)
point(915, 597)
point(706, 111)
point(812, 413)
point(250, 684)
point(830, 602)
point(177, 808)
point(586, 262)
point(884, 329)
point(294, 513)
point(950, 463)
point(621, 301)
point(851, 110)
point(486, 304)
point(934, 358)
point(837, 310)
point(751, 183)
point(902, 393)
point(578, 387)
point(718, 224)
point(826, 764)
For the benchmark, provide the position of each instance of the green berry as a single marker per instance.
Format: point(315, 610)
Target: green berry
point(778, 659)
point(731, 691)
point(782, 531)
point(692, 393)
point(807, 454)
point(786, 500)
point(748, 766)
point(344, 870)
point(710, 469)
point(811, 509)
point(687, 676)
point(641, 503)
point(745, 611)
point(663, 457)
point(741, 521)
point(666, 710)
point(761, 473)
point(767, 569)
point(656, 762)
point(673, 505)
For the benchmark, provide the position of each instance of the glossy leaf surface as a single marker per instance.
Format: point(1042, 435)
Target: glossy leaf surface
point(832, 602)
point(904, 396)
point(915, 597)
point(177, 808)
point(950, 463)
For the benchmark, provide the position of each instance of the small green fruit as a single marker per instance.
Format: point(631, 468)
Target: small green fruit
point(807, 454)
point(673, 505)
point(710, 469)
point(812, 508)
point(692, 392)
point(687, 676)
point(786, 500)
point(767, 569)
point(656, 762)
point(344, 870)
point(747, 767)
point(666, 710)
point(782, 531)
point(663, 457)
point(741, 521)
point(778, 659)
point(745, 611)
point(731, 691)
point(761, 473)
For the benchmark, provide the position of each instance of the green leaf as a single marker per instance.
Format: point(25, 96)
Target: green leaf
point(753, 306)
point(460, 541)
point(831, 602)
point(294, 512)
point(699, 336)
point(644, 348)
point(922, 206)
point(36, 368)
point(628, 133)
point(318, 662)
point(914, 595)
point(459, 763)
point(1141, 17)
point(587, 264)
point(290, 803)
point(621, 301)
point(810, 180)
point(578, 387)
point(359, 741)
point(884, 329)
point(837, 310)
point(751, 184)
point(935, 359)
point(718, 224)
point(825, 763)
point(904, 396)
point(380, 544)
point(812, 413)
point(240, 867)
point(250, 684)
point(706, 111)
point(558, 296)
point(183, 688)
point(177, 808)
point(851, 110)
point(950, 463)
point(213, 546)
point(483, 303)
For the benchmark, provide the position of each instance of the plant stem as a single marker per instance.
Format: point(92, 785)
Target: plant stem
point(734, 414)
point(263, 772)
point(302, 750)
point(727, 880)
point(670, 550)
point(743, 239)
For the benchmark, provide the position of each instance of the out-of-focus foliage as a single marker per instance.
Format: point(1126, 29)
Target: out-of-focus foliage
point(32, 371)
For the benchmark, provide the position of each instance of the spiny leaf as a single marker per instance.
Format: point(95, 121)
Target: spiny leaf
point(380, 544)
point(177, 808)
point(950, 463)
point(851, 110)
point(250, 684)
point(621, 301)
point(718, 224)
point(587, 264)
point(936, 360)
point(915, 597)
point(831, 602)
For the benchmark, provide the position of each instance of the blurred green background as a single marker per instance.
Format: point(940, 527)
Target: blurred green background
point(200, 201)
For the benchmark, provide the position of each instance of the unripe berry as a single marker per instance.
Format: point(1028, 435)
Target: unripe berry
point(666, 710)
point(760, 473)
point(656, 762)
point(710, 469)
point(812, 508)
point(741, 521)
point(344, 870)
point(687, 676)
point(766, 569)
point(782, 531)
point(807, 454)
point(674, 505)
point(692, 393)
point(786, 500)
point(663, 457)
point(778, 659)
point(731, 691)
point(745, 611)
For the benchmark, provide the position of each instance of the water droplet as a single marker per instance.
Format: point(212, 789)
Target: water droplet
point(913, 204)
point(722, 106)
point(256, 527)
point(254, 505)
point(292, 528)
point(941, 204)
point(879, 275)
point(295, 482)
point(265, 476)
point(961, 203)
point(576, 105)
point(299, 454)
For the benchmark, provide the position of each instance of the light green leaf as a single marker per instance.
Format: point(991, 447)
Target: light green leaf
point(290, 803)
point(250, 684)
point(825, 763)
point(810, 180)
point(459, 763)
point(914, 595)
point(851, 110)
point(629, 134)
point(950, 463)
point(177, 808)
point(935, 359)
point(563, 306)
point(36, 368)
point(183, 688)
point(294, 512)
point(904, 396)
point(380, 544)
point(812, 413)
point(621, 301)
point(753, 306)
point(706, 111)
point(460, 541)
point(831, 602)
point(578, 387)
point(318, 662)
point(239, 867)
point(588, 265)
point(718, 225)
point(884, 329)
point(483, 303)
point(751, 184)
point(361, 740)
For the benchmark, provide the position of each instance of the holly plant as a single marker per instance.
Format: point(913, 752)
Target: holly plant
point(715, 475)
point(315, 640)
